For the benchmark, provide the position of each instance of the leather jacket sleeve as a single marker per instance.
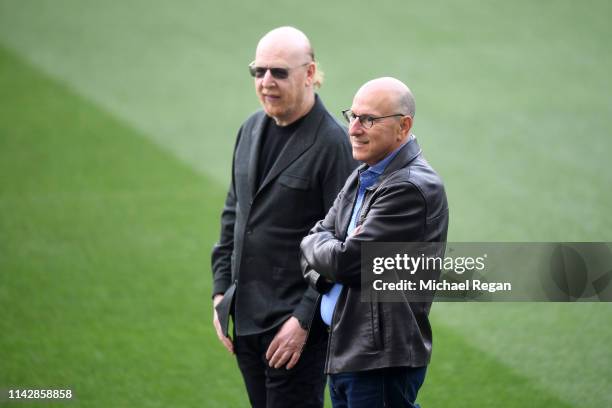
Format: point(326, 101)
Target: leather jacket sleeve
point(397, 213)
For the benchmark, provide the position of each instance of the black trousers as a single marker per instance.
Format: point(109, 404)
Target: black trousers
point(301, 387)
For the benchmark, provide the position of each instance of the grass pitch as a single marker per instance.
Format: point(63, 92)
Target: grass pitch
point(116, 127)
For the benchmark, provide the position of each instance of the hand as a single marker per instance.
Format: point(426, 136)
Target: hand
point(286, 346)
point(226, 341)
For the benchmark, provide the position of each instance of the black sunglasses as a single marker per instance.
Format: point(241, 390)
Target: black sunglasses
point(277, 73)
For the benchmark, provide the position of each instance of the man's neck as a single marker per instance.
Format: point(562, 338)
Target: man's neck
point(303, 111)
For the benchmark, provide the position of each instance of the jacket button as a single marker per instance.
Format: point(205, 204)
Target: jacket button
point(249, 231)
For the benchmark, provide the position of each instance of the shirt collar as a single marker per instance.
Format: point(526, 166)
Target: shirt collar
point(380, 167)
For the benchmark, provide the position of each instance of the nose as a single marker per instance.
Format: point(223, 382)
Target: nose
point(355, 127)
point(268, 79)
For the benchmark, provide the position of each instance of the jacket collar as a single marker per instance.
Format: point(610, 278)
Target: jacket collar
point(300, 141)
point(406, 154)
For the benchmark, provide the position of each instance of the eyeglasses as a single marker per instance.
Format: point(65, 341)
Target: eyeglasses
point(277, 73)
point(367, 121)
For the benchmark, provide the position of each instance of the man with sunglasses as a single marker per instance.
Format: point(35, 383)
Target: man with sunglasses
point(378, 351)
point(290, 160)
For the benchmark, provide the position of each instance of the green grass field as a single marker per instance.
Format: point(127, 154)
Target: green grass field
point(117, 121)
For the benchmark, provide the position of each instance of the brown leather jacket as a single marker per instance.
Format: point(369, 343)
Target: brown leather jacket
point(407, 204)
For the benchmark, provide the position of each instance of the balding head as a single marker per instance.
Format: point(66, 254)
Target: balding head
point(287, 74)
point(294, 45)
point(385, 107)
point(286, 39)
point(391, 93)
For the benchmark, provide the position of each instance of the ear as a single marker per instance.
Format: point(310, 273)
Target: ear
point(310, 74)
point(406, 125)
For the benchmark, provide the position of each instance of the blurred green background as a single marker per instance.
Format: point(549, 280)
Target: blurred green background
point(117, 122)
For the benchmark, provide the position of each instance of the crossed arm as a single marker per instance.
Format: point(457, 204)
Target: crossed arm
point(397, 213)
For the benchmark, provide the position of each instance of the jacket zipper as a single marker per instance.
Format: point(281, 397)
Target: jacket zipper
point(331, 330)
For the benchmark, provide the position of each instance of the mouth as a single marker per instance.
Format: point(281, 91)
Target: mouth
point(270, 98)
point(359, 143)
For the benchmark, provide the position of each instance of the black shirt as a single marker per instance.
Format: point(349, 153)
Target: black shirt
point(274, 140)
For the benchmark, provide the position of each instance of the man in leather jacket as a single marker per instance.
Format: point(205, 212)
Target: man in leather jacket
point(377, 351)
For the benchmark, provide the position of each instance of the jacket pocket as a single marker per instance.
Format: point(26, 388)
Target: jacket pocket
point(295, 182)
point(376, 320)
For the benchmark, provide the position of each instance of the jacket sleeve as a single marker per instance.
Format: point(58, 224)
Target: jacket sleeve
point(221, 257)
point(305, 310)
point(319, 283)
point(337, 165)
point(397, 213)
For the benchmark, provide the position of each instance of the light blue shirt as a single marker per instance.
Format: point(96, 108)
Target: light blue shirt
point(367, 179)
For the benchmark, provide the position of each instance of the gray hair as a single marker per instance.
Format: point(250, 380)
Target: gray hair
point(406, 103)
